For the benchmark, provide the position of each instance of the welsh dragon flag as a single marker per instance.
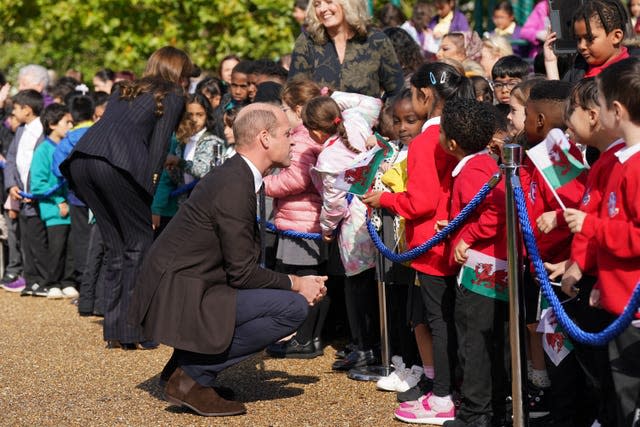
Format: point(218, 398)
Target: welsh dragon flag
point(554, 161)
point(359, 177)
point(555, 341)
point(484, 275)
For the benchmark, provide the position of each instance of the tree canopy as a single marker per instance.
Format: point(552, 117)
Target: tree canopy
point(120, 34)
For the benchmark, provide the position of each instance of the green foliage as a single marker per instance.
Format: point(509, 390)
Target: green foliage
point(92, 34)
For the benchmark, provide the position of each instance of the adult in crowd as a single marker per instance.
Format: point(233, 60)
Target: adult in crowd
point(201, 289)
point(114, 169)
point(341, 50)
point(35, 77)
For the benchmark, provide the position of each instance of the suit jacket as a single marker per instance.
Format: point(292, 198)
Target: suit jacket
point(131, 137)
point(11, 175)
point(186, 291)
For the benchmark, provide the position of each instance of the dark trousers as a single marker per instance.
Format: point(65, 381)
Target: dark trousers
point(123, 214)
point(361, 300)
point(35, 252)
point(60, 257)
point(481, 338)
point(584, 382)
point(14, 263)
point(80, 234)
point(262, 317)
point(438, 295)
point(91, 299)
point(312, 326)
point(624, 356)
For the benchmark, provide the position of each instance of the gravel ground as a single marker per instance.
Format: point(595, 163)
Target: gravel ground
point(55, 371)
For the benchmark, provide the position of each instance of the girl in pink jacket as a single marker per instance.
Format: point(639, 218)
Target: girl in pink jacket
point(296, 207)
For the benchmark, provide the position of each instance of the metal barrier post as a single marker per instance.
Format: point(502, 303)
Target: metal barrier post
point(511, 160)
point(374, 373)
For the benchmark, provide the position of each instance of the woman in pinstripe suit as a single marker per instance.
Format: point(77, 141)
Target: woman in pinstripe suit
point(114, 168)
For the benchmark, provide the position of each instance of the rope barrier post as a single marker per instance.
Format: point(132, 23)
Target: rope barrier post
point(374, 373)
point(511, 159)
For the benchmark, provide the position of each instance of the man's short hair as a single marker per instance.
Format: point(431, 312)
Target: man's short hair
point(252, 120)
point(511, 66)
point(35, 74)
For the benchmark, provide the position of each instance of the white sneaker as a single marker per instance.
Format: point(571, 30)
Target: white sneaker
point(390, 382)
point(54, 293)
point(70, 292)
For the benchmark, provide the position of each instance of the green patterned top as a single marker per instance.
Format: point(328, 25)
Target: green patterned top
point(370, 65)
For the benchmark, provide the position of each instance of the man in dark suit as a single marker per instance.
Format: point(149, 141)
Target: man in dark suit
point(201, 289)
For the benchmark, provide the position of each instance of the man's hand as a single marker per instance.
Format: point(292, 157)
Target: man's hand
point(155, 221)
point(310, 287)
point(14, 193)
point(575, 219)
point(547, 222)
point(460, 252)
point(372, 199)
point(594, 298)
point(171, 162)
point(570, 278)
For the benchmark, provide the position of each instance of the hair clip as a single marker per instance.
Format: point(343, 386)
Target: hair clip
point(443, 77)
point(82, 88)
point(432, 78)
point(324, 91)
point(337, 121)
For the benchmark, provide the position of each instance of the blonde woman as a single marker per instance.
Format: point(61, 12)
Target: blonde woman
point(342, 51)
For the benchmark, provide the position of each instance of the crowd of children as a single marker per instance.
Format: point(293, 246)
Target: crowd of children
point(445, 131)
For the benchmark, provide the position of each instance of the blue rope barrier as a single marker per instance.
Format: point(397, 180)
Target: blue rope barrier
point(290, 233)
point(438, 237)
point(44, 195)
point(183, 189)
point(595, 339)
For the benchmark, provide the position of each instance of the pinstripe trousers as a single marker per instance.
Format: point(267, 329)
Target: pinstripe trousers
point(123, 216)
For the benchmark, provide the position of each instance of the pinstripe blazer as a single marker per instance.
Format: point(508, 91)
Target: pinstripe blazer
point(131, 137)
point(185, 296)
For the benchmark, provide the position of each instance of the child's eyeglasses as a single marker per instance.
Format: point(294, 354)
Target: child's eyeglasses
point(507, 85)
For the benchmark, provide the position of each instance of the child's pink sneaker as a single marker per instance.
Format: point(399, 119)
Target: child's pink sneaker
point(422, 411)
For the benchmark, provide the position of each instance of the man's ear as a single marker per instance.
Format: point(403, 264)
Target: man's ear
point(451, 144)
point(540, 121)
point(264, 137)
point(619, 110)
point(616, 36)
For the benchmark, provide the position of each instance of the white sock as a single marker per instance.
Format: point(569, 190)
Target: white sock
point(429, 372)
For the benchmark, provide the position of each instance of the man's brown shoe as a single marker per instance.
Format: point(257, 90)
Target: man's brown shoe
point(182, 390)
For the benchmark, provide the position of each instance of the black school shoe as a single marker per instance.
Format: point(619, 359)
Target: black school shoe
point(355, 359)
point(34, 289)
point(479, 421)
point(424, 386)
point(292, 349)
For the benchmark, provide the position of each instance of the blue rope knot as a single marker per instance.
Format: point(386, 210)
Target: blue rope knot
point(594, 339)
point(441, 235)
point(44, 195)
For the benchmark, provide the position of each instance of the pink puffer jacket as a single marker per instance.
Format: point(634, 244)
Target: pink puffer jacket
point(296, 202)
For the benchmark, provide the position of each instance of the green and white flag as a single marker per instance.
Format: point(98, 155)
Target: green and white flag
point(360, 175)
point(555, 341)
point(552, 157)
point(485, 275)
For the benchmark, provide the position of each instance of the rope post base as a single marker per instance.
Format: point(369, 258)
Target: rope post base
point(511, 160)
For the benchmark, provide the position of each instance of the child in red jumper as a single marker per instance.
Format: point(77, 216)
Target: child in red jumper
point(583, 121)
point(545, 111)
point(424, 202)
point(616, 230)
point(482, 294)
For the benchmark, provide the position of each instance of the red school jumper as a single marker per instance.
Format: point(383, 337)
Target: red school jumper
point(616, 231)
point(485, 229)
point(583, 250)
point(426, 200)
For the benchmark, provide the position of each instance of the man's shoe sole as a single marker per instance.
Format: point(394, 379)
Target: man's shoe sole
point(179, 402)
